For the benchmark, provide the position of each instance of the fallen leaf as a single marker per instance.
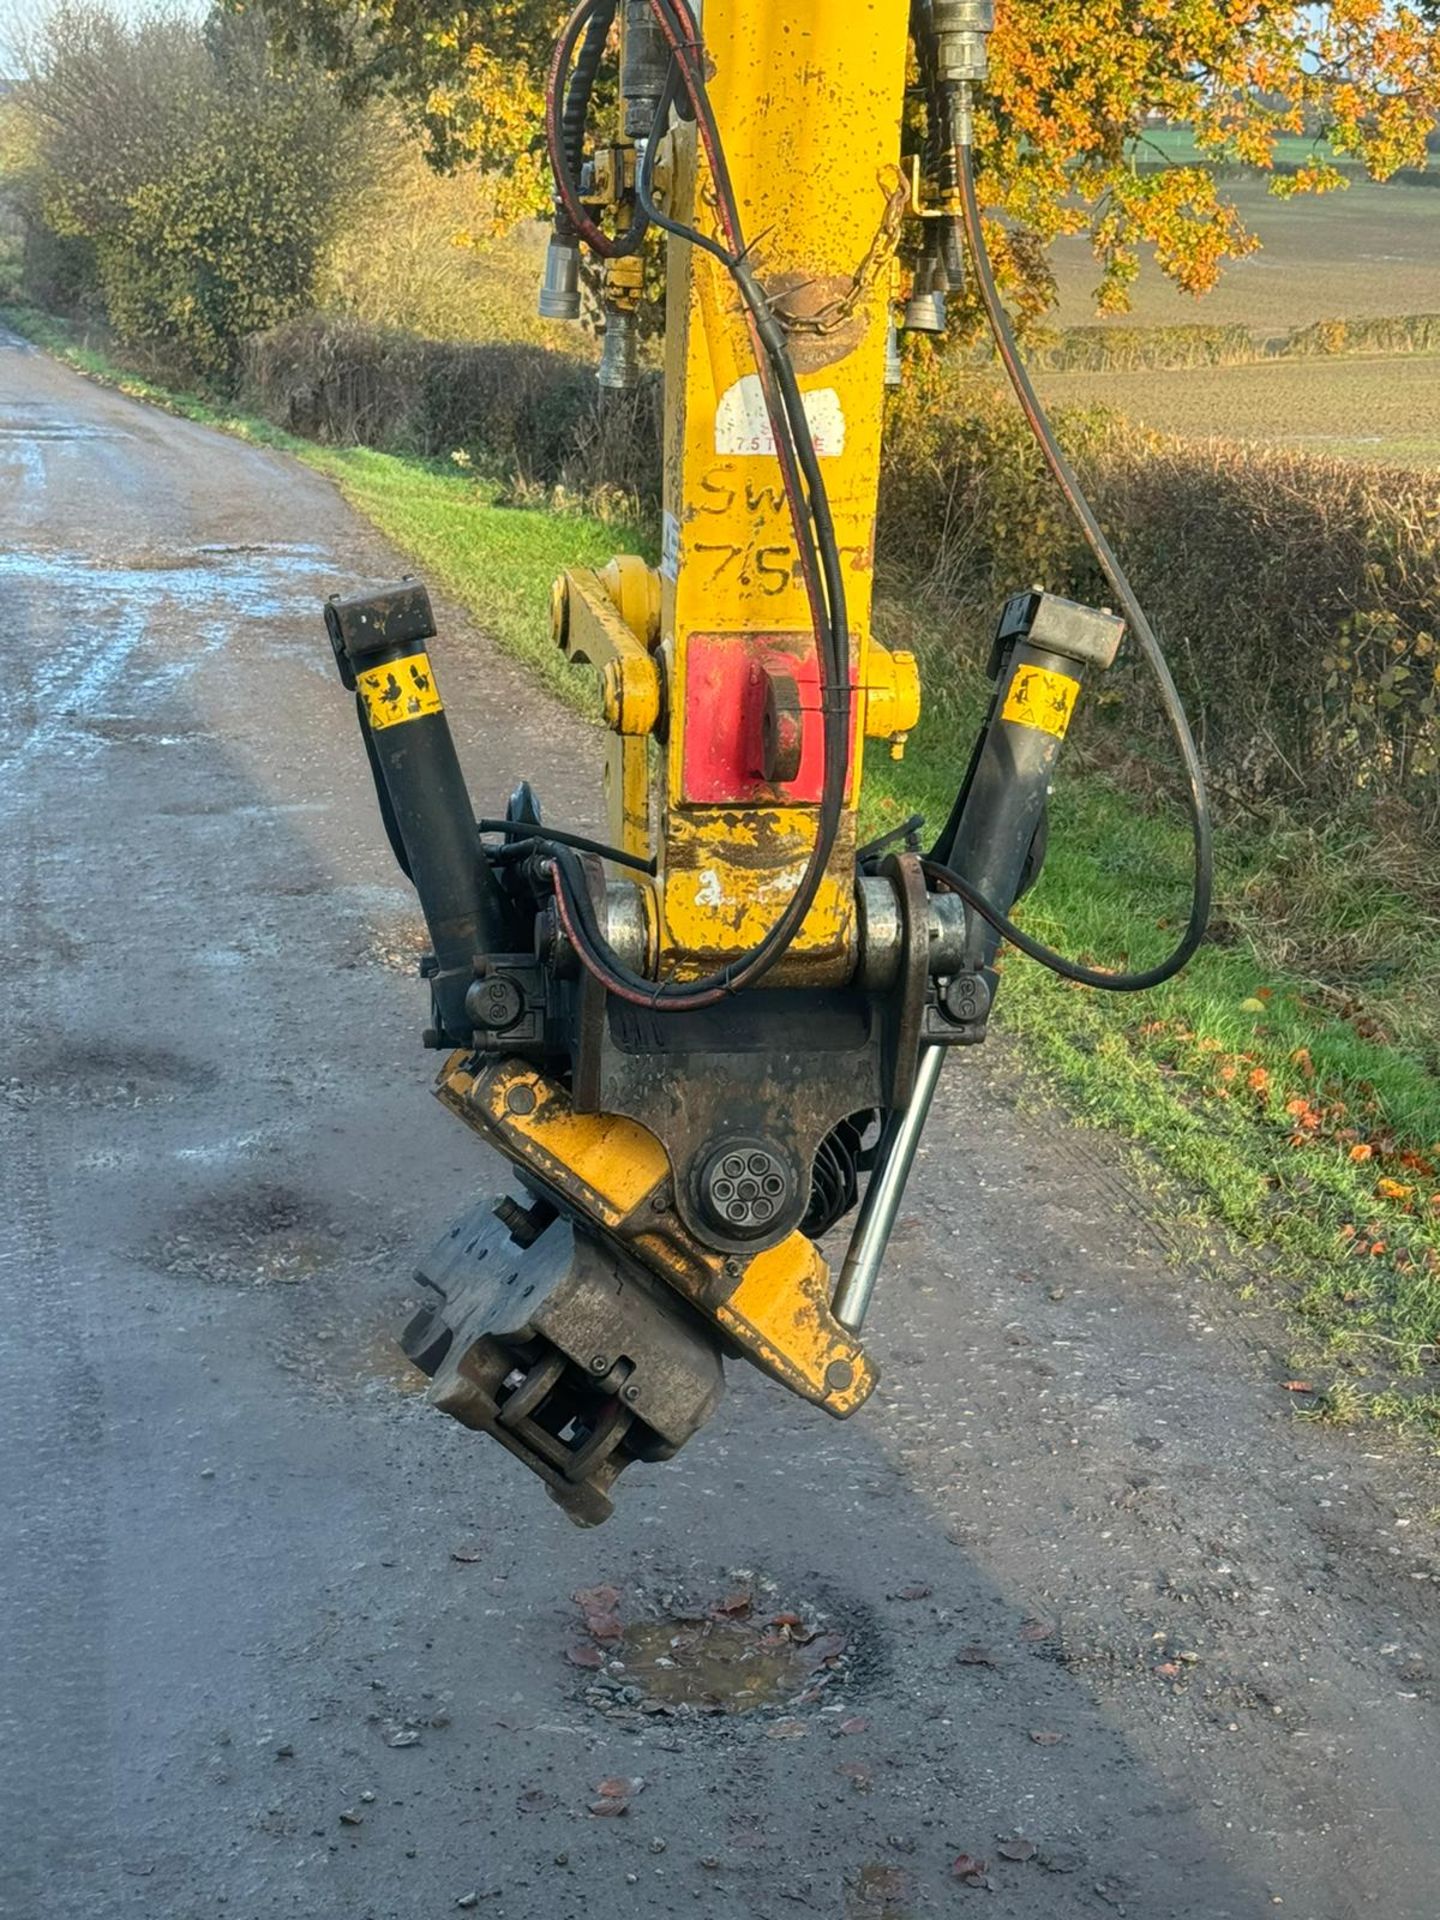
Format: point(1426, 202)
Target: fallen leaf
point(617, 1787)
point(583, 1656)
point(825, 1648)
point(857, 1773)
point(1361, 1151)
point(1019, 1848)
point(604, 1626)
point(735, 1603)
point(1043, 1738)
point(969, 1869)
point(1298, 1386)
point(597, 1599)
point(609, 1809)
point(917, 1592)
point(857, 1723)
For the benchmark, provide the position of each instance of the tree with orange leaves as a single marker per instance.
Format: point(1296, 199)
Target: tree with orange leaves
point(1065, 140)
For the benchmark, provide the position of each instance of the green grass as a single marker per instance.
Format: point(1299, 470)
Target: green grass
point(1321, 994)
point(1284, 1093)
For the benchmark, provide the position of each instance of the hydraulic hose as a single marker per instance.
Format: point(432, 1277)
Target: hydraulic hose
point(567, 107)
point(956, 113)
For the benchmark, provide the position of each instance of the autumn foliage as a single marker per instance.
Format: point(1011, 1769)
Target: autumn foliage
point(1077, 86)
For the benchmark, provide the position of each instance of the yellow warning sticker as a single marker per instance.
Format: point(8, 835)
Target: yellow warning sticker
point(400, 690)
point(1042, 699)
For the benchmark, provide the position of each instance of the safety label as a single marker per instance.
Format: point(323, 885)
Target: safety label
point(742, 424)
point(400, 690)
point(1041, 698)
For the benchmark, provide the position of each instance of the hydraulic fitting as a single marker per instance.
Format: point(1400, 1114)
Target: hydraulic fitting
point(925, 309)
point(620, 351)
point(644, 66)
point(894, 365)
point(619, 367)
point(962, 33)
point(560, 288)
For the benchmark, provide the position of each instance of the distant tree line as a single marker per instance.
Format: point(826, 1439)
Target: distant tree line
point(182, 176)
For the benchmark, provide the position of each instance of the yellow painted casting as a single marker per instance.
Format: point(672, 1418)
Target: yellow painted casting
point(775, 1305)
point(892, 697)
point(590, 629)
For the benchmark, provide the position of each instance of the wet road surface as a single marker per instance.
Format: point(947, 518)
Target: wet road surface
point(1075, 1596)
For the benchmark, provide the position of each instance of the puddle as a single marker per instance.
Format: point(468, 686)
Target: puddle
point(395, 947)
point(58, 430)
point(131, 729)
point(728, 1655)
point(714, 1666)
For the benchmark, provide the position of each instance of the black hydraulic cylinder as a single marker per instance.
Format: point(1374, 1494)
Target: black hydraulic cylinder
point(1042, 646)
point(380, 648)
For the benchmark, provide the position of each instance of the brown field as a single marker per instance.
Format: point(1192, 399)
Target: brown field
point(1350, 255)
point(1384, 410)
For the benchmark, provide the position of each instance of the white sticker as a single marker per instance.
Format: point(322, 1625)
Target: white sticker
point(743, 426)
point(670, 547)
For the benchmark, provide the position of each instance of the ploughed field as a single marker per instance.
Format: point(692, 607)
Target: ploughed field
point(1384, 410)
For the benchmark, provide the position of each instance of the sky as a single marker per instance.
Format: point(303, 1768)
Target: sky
point(18, 17)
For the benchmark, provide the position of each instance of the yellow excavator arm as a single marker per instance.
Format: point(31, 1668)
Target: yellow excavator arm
point(706, 1041)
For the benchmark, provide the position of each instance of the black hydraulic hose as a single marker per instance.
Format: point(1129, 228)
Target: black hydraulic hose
point(530, 834)
point(565, 121)
point(1198, 800)
point(581, 84)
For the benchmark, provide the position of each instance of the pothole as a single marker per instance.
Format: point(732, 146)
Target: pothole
point(689, 1656)
point(80, 1074)
point(257, 1236)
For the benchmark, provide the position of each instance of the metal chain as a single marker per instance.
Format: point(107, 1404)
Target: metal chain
point(837, 311)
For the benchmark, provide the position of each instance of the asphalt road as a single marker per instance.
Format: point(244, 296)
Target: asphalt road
point(1096, 1594)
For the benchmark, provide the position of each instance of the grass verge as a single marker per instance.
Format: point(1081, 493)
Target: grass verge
point(1289, 1082)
